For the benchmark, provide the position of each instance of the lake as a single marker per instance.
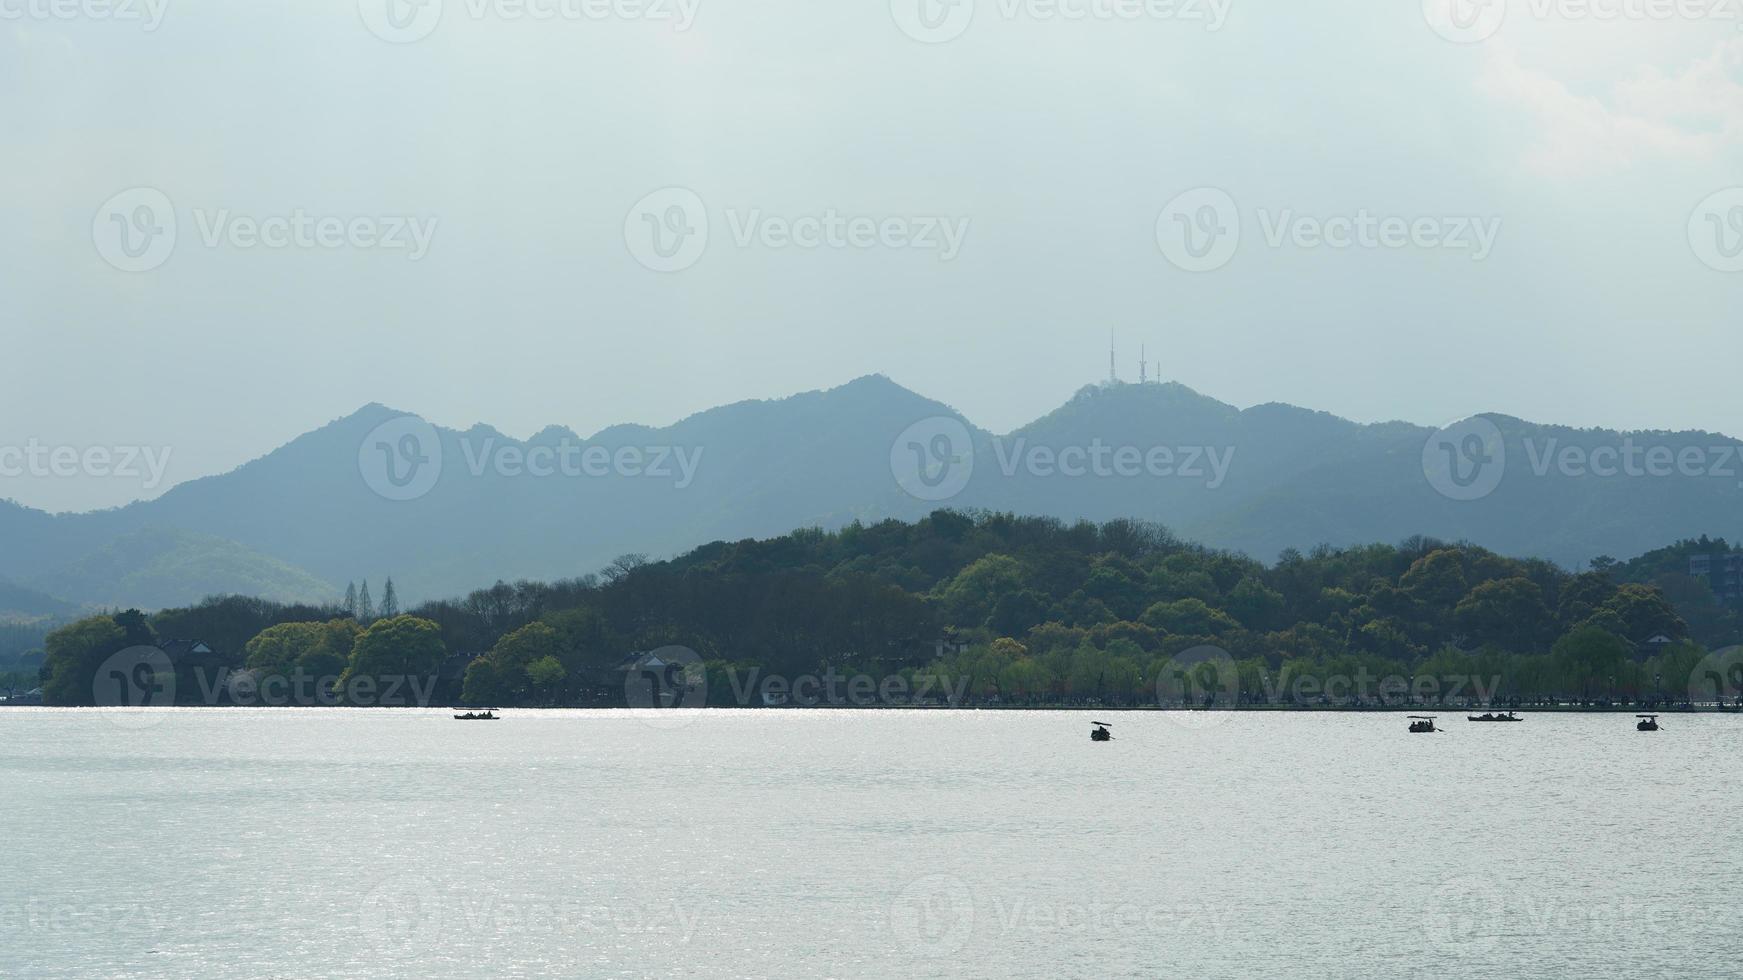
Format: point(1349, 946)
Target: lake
point(839, 843)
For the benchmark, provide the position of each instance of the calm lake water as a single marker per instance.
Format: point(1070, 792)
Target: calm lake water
point(348, 843)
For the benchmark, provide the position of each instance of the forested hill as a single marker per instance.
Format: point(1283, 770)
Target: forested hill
point(1054, 600)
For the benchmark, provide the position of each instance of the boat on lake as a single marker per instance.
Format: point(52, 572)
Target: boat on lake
point(488, 714)
point(1422, 723)
point(1100, 732)
point(1648, 723)
point(1486, 716)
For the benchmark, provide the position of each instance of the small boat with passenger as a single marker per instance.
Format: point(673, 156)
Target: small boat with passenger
point(1648, 723)
point(1100, 732)
point(1422, 723)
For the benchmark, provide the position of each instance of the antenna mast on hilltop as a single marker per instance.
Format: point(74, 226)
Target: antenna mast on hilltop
point(1143, 366)
point(1113, 377)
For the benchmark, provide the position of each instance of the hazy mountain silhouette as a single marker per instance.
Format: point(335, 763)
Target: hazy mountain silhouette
point(1296, 478)
point(164, 566)
point(18, 602)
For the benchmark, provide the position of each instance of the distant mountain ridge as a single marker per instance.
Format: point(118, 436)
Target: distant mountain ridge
point(311, 515)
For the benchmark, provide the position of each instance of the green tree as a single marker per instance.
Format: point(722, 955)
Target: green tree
point(1437, 578)
point(484, 684)
point(1508, 612)
point(545, 675)
point(1589, 657)
point(1583, 595)
point(1645, 613)
point(1189, 617)
point(1255, 604)
point(969, 597)
point(1015, 613)
point(401, 648)
point(75, 652)
point(316, 649)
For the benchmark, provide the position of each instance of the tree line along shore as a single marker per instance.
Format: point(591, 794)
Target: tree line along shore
point(976, 609)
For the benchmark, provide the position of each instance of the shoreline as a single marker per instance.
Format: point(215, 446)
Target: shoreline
point(1080, 709)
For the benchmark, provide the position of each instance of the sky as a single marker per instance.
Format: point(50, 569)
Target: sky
point(228, 224)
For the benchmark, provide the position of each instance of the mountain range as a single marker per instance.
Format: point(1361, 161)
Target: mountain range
point(380, 492)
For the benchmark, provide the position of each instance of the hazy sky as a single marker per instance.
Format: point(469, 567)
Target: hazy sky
point(1055, 152)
